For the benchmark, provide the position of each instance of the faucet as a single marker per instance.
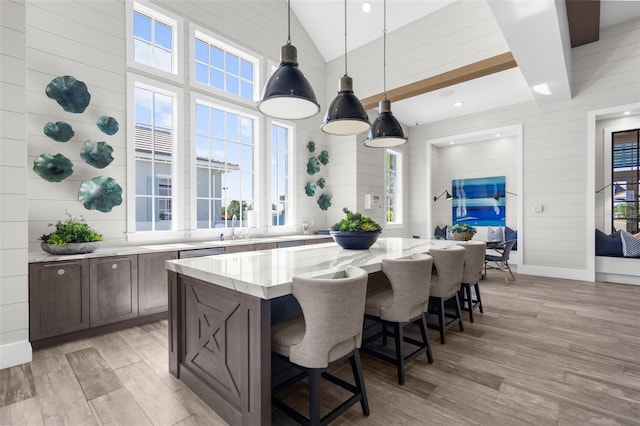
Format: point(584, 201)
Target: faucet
point(234, 223)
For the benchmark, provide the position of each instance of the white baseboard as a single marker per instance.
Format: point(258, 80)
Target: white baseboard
point(15, 354)
point(547, 271)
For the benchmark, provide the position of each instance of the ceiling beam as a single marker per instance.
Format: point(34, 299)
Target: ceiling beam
point(584, 21)
point(472, 71)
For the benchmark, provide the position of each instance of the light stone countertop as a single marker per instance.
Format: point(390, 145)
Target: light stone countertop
point(41, 256)
point(267, 274)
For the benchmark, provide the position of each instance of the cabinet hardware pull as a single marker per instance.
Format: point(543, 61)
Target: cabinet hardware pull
point(114, 266)
point(60, 271)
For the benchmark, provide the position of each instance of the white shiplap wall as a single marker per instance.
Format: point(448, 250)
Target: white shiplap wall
point(605, 74)
point(14, 291)
point(86, 39)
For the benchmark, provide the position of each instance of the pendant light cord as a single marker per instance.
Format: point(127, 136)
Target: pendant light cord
point(289, 22)
point(345, 38)
point(384, 52)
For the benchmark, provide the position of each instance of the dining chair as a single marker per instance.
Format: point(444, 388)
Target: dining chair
point(448, 264)
point(328, 331)
point(474, 256)
point(501, 261)
point(403, 303)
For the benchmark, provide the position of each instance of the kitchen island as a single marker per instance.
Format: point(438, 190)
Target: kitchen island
point(221, 309)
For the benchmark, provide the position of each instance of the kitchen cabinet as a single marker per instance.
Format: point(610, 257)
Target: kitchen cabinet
point(152, 282)
point(58, 298)
point(113, 285)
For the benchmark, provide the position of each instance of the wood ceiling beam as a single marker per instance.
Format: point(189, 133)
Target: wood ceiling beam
point(472, 71)
point(584, 21)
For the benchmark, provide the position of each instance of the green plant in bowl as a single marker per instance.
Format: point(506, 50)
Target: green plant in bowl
point(71, 236)
point(355, 231)
point(462, 227)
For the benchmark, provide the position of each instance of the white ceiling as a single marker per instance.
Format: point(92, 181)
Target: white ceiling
point(497, 90)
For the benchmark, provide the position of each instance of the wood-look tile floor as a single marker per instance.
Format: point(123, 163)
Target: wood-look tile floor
point(545, 352)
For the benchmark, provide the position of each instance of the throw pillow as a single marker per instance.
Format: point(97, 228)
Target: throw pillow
point(441, 233)
point(495, 235)
point(630, 245)
point(608, 245)
point(511, 234)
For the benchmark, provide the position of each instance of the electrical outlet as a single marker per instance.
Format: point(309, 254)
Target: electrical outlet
point(538, 208)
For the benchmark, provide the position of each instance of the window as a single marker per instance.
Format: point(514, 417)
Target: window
point(154, 117)
point(625, 150)
point(224, 156)
point(152, 40)
point(280, 195)
point(223, 67)
point(393, 187)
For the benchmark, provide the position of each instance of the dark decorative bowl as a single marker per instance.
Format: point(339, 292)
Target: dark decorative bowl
point(355, 240)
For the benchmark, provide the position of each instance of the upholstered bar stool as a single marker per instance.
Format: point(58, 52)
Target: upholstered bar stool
point(471, 275)
point(445, 282)
point(403, 304)
point(329, 330)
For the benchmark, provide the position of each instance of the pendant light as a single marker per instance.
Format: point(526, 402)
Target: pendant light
point(385, 130)
point(288, 95)
point(345, 115)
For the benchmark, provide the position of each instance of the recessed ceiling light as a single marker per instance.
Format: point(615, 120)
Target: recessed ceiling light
point(627, 113)
point(459, 103)
point(451, 143)
point(446, 93)
point(543, 89)
point(497, 135)
point(366, 7)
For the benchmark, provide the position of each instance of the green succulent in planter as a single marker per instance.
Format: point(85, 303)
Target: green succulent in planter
point(462, 227)
point(71, 231)
point(356, 222)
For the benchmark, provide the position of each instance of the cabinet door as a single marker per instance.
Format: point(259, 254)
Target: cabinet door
point(319, 241)
point(114, 289)
point(265, 246)
point(152, 282)
point(239, 249)
point(58, 298)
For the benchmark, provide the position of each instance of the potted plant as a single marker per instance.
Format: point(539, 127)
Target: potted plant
point(462, 231)
point(72, 236)
point(355, 231)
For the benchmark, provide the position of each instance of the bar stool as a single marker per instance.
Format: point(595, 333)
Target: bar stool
point(328, 331)
point(401, 305)
point(445, 282)
point(474, 254)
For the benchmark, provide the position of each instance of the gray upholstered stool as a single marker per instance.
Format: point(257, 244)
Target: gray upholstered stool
point(329, 330)
point(471, 275)
point(448, 265)
point(402, 304)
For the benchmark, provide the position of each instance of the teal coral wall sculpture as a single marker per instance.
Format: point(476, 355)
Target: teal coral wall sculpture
point(100, 193)
point(108, 125)
point(309, 189)
point(321, 183)
point(71, 94)
point(59, 131)
point(323, 157)
point(311, 146)
point(54, 168)
point(324, 201)
point(97, 154)
point(313, 166)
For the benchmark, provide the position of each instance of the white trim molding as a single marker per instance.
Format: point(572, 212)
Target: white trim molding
point(13, 354)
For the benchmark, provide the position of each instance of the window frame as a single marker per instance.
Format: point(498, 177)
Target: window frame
point(399, 198)
point(166, 17)
point(258, 200)
point(291, 216)
point(177, 199)
point(195, 32)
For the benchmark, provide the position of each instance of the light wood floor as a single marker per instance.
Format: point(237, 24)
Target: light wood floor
point(545, 352)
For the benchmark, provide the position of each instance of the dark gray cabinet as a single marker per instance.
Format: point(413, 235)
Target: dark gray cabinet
point(152, 282)
point(113, 285)
point(59, 298)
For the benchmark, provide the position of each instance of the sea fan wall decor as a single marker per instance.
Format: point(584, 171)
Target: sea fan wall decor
point(71, 94)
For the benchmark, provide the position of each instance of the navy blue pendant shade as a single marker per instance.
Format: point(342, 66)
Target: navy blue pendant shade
point(345, 115)
point(386, 130)
point(288, 95)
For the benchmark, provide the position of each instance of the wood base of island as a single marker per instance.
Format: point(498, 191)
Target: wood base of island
point(220, 347)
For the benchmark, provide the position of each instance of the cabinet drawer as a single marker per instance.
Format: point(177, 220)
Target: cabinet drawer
point(114, 289)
